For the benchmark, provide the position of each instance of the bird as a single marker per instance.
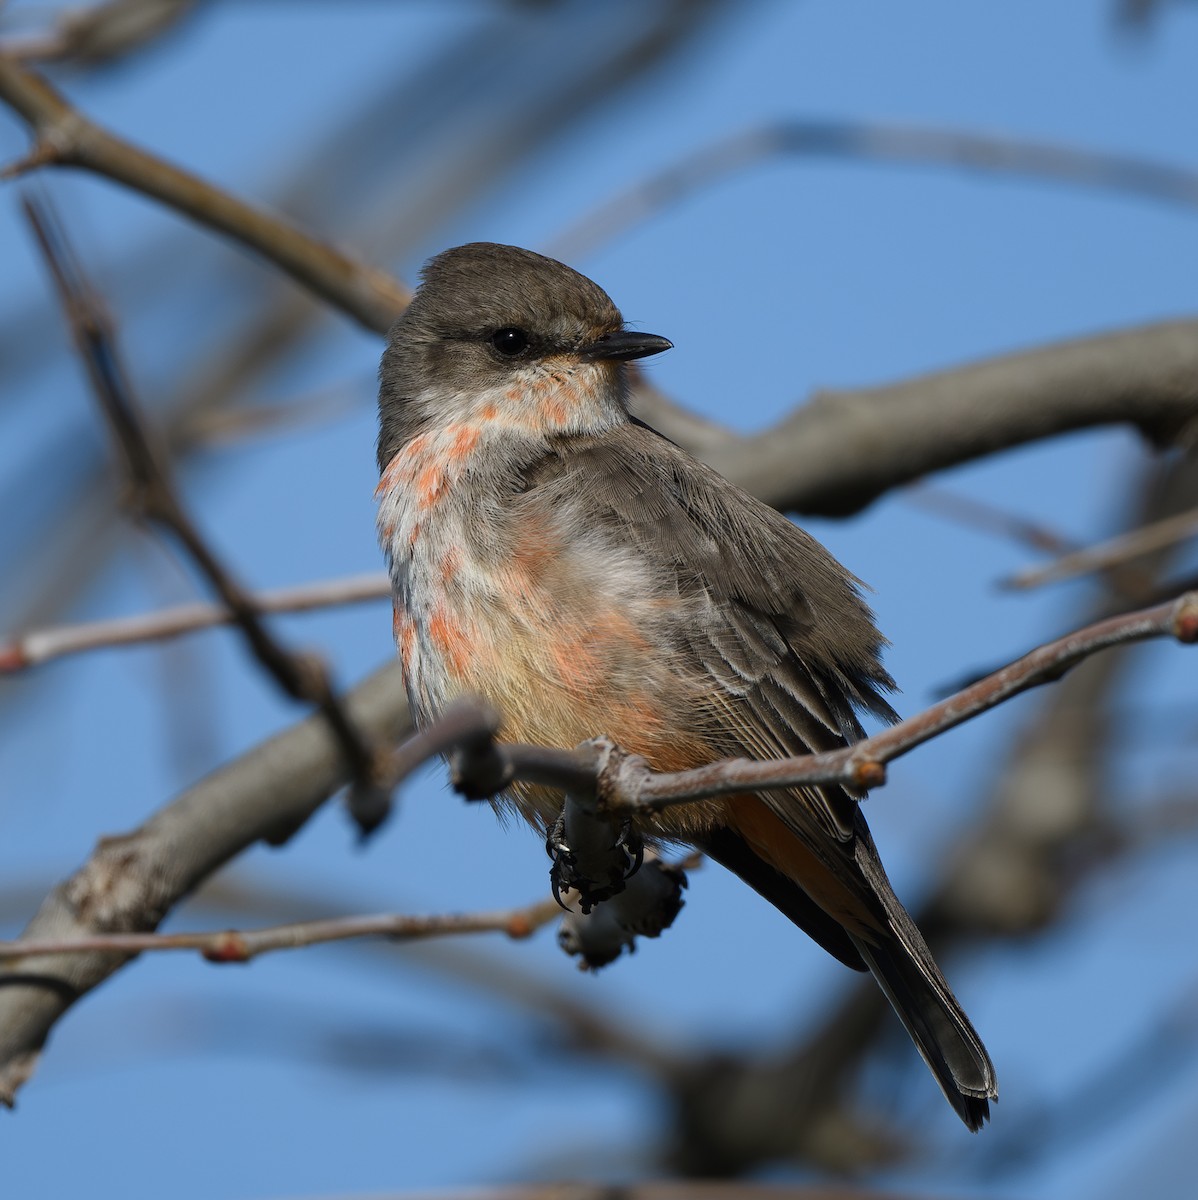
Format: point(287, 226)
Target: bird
point(557, 556)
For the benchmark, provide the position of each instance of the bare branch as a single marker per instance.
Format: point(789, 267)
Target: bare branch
point(303, 677)
point(44, 645)
point(844, 449)
point(599, 778)
point(873, 141)
point(863, 764)
point(65, 137)
point(687, 1189)
point(222, 426)
point(239, 946)
point(1111, 553)
point(101, 33)
point(131, 882)
point(989, 518)
point(628, 786)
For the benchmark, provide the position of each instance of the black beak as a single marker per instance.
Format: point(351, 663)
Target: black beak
point(623, 345)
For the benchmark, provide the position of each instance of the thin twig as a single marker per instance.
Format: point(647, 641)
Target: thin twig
point(876, 142)
point(628, 786)
point(129, 883)
point(63, 136)
point(864, 764)
point(101, 33)
point(1112, 553)
point(43, 645)
point(977, 514)
point(228, 425)
point(239, 946)
point(301, 676)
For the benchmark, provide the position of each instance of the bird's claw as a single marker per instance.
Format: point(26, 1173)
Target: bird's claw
point(595, 871)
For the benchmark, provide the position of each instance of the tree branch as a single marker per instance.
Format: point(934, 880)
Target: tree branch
point(239, 946)
point(624, 785)
point(44, 645)
point(873, 141)
point(103, 33)
point(827, 458)
point(302, 676)
point(1112, 553)
point(132, 881)
point(63, 136)
point(971, 513)
point(844, 449)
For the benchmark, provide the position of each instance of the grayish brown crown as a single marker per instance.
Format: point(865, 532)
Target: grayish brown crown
point(471, 289)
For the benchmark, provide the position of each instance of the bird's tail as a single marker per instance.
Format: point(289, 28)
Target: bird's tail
point(894, 951)
point(901, 962)
point(939, 1028)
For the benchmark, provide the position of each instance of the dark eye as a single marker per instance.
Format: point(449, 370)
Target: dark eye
point(510, 341)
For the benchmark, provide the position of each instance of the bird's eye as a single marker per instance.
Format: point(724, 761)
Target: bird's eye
point(510, 341)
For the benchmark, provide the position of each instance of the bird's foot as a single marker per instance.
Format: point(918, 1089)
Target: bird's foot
point(591, 856)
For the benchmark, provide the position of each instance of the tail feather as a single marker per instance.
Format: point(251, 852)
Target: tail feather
point(939, 1028)
point(901, 962)
point(896, 954)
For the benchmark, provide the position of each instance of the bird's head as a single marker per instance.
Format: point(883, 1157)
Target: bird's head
point(497, 332)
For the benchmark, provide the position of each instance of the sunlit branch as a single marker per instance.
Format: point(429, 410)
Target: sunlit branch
point(624, 784)
point(44, 645)
point(239, 946)
point(63, 136)
point(1111, 553)
point(877, 142)
point(302, 676)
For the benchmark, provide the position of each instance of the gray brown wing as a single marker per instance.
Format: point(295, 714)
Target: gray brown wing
point(775, 623)
point(792, 653)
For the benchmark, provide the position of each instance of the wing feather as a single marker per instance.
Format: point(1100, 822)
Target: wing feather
point(781, 675)
point(784, 676)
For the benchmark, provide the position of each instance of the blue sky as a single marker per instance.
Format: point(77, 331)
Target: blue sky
point(789, 277)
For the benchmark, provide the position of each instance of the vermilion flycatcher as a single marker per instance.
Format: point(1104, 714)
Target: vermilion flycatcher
point(560, 558)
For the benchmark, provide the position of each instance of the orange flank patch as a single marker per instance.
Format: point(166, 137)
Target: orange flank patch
point(642, 716)
point(589, 659)
point(413, 535)
point(405, 634)
point(615, 628)
point(430, 483)
point(451, 640)
point(577, 663)
point(389, 530)
point(465, 438)
point(488, 412)
point(451, 563)
point(400, 467)
point(639, 724)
